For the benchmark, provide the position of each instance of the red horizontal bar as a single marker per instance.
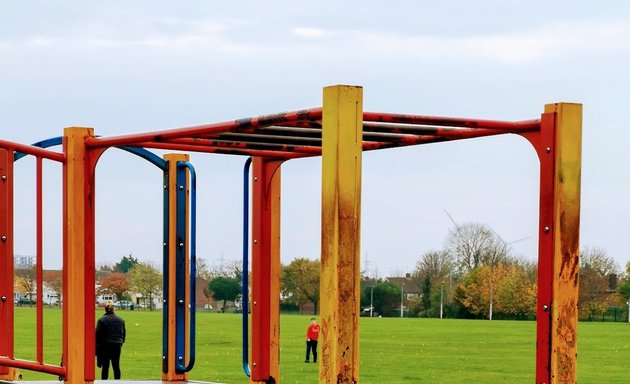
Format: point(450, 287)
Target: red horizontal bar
point(31, 150)
point(409, 140)
point(242, 145)
point(199, 130)
point(526, 125)
point(33, 366)
point(224, 151)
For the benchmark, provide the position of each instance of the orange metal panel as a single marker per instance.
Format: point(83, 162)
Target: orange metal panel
point(265, 271)
point(341, 219)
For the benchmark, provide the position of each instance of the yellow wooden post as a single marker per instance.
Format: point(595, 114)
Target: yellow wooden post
point(341, 218)
point(566, 229)
point(169, 373)
point(78, 189)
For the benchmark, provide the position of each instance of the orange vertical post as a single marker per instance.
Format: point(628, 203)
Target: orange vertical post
point(341, 229)
point(170, 373)
point(265, 271)
point(558, 144)
point(6, 262)
point(78, 265)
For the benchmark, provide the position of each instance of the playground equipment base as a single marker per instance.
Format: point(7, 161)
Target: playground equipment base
point(109, 381)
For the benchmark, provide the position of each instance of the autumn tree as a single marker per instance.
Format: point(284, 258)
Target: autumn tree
point(503, 289)
point(300, 282)
point(225, 289)
point(146, 280)
point(115, 283)
point(594, 294)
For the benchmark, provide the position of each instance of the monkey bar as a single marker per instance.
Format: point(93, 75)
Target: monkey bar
point(339, 131)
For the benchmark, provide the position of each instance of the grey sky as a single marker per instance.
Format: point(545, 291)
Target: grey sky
point(124, 67)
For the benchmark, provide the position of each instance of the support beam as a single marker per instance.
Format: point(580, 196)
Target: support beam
point(265, 271)
point(6, 262)
point(78, 265)
point(558, 144)
point(341, 228)
point(175, 261)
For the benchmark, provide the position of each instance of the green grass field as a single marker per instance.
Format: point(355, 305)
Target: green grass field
point(392, 350)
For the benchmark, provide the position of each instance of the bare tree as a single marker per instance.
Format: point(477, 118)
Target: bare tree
point(474, 245)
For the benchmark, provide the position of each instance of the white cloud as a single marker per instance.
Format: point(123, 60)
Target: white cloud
point(310, 32)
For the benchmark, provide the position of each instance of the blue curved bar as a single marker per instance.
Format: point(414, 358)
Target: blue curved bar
point(193, 266)
point(245, 283)
point(42, 144)
point(138, 151)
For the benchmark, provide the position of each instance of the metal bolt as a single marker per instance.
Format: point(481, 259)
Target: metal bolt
point(180, 358)
point(546, 229)
point(4, 177)
point(164, 186)
point(181, 244)
point(254, 364)
point(255, 178)
point(254, 303)
point(164, 301)
point(548, 149)
point(164, 244)
point(4, 238)
point(163, 357)
point(3, 298)
point(181, 187)
point(181, 301)
point(545, 307)
point(255, 241)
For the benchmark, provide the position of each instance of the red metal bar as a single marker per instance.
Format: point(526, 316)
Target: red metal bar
point(31, 150)
point(89, 263)
point(200, 130)
point(32, 366)
point(224, 151)
point(6, 255)
point(264, 146)
point(414, 129)
point(265, 273)
point(39, 278)
point(544, 144)
point(451, 121)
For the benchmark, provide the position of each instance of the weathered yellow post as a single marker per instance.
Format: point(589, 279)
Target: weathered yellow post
point(566, 229)
point(341, 218)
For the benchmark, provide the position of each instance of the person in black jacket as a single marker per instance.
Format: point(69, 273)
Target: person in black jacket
point(110, 336)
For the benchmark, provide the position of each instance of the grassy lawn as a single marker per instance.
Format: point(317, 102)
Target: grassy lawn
point(392, 350)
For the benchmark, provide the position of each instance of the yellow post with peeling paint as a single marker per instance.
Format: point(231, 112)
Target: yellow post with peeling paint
point(171, 374)
point(566, 229)
point(341, 218)
point(74, 306)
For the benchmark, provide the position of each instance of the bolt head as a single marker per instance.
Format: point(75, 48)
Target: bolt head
point(181, 187)
point(4, 238)
point(546, 229)
point(181, 301)
point(548, 149)
point(4, 177)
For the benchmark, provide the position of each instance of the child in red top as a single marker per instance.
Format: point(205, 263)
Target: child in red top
point(312, 334)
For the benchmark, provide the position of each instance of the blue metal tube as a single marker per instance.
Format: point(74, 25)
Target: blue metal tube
point(245, 285)
point(193, 267)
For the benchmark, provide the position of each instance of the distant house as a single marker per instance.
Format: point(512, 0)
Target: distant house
point(409, 285)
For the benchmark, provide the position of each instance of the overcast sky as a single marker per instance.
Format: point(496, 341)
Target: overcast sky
point(124, 67)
